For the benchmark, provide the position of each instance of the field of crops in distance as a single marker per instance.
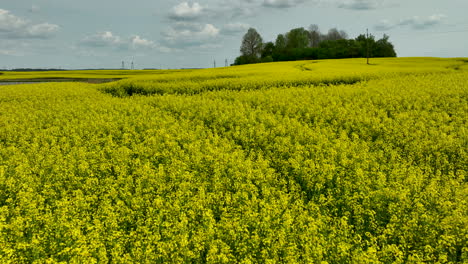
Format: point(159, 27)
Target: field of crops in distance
point(298, 162)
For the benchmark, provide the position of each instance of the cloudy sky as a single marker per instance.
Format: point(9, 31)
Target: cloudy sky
point(181, 34)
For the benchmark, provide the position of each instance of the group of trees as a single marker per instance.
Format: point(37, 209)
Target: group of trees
point(303, 44)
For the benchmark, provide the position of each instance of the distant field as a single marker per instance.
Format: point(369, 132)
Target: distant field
point(329, 161)
point(312, 69)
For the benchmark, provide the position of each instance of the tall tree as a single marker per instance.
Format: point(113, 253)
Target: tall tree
point(280, 43)
point(343, 34)
point(383, 48)
point(251, 44)
point(365, 43)
point(334, 34)
point(297, 38)
point(314, 36)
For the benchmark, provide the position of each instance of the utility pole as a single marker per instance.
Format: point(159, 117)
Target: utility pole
point(123, 65)
point(367, 44)
point(225, 63)
point(132, 66)
point(214, 64)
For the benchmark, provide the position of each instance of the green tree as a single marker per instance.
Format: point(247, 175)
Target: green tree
point(363, 42)
point(268, 49)
point(334, 34)
point(280, 42)
point(383, 48)
point(251, 44)
point(314, 36)
point(245, 60)
point(297, 38)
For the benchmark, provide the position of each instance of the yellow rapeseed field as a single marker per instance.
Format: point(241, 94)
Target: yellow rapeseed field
point(329, 161)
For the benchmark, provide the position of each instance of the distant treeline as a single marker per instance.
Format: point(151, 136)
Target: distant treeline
point(302, 44)
point(42, 70)
point(30, 69)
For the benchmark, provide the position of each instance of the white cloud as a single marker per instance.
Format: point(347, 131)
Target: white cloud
point(13, 27)
point(190, 24)
point(227, 9)
point(138, 42)
point(103, 39)
point(10, 23)
point(209, 30)
point(234, 28)
point(224, 9)
point(415, 22)
point(192, 34)
point(107, 39)
point(185, 11)
point(44, 30)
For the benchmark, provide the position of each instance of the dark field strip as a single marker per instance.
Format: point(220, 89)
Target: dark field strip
point(48, 80)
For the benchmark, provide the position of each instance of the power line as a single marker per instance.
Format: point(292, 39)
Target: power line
point(367, 44)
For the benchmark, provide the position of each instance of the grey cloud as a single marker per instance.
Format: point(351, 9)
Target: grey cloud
point(103, 39)
point(193, 12)
point(10, 50)
point(384, 25)
point(189, 25)
point(190, 34)
point(13, 27)
point(360, 4)
point(34, 9)
point(44, 30)
point(16, 47)
point(107, 39)
point(422, 23)
point(184, 26)
point(7, 52)
point(416, 22)
point(228, 9)
point(235, 10)
point(281, 3)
